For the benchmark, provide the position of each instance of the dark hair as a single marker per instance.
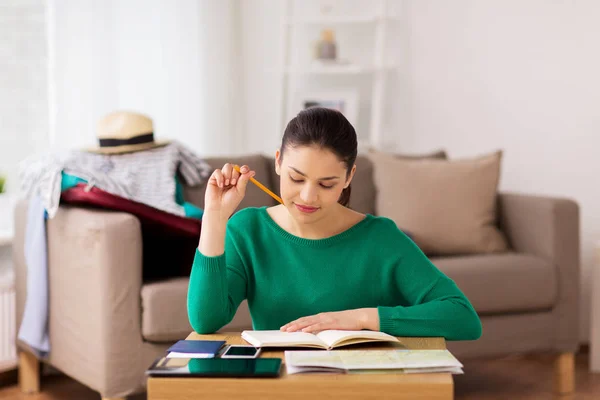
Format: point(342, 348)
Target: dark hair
point(328, 129)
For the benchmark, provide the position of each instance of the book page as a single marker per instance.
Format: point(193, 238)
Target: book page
point(282, 339)
point(333, 338)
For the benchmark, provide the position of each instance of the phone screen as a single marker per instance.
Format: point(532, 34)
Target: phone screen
point(241, 351)
point(232, 367)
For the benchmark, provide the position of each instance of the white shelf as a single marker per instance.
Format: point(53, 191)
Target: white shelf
point(341, 69)
point(336, 20)
point(296, 71)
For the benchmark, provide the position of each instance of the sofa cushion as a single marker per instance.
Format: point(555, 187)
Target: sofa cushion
point(164, 312)
point(255, 197)
point(435, 154)
point(362, 198)
point(448, 206)
point(503, 283)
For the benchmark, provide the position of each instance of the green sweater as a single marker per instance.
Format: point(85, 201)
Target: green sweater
point(285, 277)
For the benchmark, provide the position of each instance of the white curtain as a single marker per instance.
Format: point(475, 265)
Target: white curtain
point(175, 61)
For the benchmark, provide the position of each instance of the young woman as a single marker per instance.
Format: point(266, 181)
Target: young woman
point(312, 263)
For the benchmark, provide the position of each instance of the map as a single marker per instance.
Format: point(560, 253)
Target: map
point(349, 360)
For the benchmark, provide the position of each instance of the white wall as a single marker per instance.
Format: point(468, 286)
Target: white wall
point(517, 75)
point(66, 63)
point(260, 51)
point(23, 81)
point(175, 61)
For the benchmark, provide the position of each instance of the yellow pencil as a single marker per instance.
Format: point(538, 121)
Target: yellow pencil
point(260, 185)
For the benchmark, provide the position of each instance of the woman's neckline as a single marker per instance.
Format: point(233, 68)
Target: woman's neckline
point(324, 242)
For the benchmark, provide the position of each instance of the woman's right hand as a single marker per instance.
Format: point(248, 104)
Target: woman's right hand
point(225, 190)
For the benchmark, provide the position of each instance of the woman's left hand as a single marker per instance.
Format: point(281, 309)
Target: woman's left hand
point(349, 320)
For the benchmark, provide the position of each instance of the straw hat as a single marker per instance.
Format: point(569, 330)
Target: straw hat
point(125, 132)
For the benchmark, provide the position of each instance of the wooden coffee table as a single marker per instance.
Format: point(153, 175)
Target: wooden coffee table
point(308, 386)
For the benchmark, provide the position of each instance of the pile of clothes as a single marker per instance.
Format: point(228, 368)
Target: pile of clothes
point(129, 171)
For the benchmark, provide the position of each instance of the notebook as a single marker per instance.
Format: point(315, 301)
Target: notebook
point(195, 349)
point(327, 340)
point(372, 361)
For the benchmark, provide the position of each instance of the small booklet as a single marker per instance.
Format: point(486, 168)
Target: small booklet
point(325, 339)
point(373, 361)
point(195, 349)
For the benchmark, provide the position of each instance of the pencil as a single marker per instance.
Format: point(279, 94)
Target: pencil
point(260, 185)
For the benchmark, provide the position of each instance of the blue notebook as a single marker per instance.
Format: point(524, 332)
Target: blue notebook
point(195, 349)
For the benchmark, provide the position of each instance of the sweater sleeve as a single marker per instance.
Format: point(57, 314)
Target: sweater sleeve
point(435, 305)
point(216, 289)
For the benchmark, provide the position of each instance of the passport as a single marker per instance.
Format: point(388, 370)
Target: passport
point(195, 349)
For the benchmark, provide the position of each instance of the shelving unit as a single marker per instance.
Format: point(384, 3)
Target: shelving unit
point(351, 69)
point(297, 72)
point(336, 20)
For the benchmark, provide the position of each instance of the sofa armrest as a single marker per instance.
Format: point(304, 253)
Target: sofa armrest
point(95, 278)
point(548, 227)
point(544, 226)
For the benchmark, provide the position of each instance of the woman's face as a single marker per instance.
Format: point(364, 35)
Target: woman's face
point(312, 180)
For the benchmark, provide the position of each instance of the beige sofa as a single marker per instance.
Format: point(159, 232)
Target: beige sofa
point(107, 325)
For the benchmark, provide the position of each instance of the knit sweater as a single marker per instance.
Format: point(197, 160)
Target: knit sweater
point(285, 277)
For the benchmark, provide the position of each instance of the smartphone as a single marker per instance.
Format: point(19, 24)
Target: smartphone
point(241, 351)
point(216, 367)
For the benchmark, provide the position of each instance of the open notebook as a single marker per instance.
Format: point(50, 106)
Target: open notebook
point(325, 339)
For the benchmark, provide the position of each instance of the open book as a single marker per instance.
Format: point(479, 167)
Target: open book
point(324, 339)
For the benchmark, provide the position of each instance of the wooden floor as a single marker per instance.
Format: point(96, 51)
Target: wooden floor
point(522, 377)
point(515, 377)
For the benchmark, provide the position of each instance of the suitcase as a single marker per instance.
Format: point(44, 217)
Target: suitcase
point(169, 241)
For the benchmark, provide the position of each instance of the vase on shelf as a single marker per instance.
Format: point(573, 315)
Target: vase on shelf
point(326, 47)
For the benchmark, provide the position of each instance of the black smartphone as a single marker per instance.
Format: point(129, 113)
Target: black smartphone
point(216, 367)
point(241, 351)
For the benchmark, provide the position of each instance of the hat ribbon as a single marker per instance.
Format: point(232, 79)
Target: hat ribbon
point(139, 139)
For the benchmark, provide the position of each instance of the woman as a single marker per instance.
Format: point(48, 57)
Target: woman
point(312, 263)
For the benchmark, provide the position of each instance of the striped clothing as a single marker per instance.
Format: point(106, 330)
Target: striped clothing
point(145, 177)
